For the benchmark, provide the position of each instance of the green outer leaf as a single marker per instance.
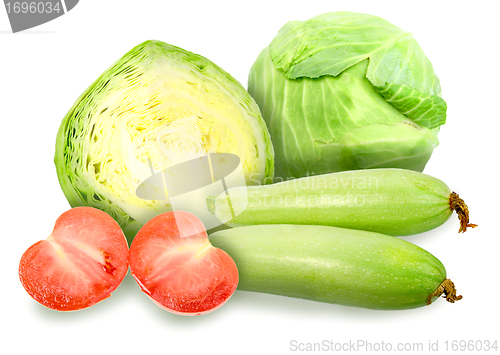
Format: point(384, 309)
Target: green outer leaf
point(333, 265)
point(331, 43)
point(426, 110)
point(83, 185)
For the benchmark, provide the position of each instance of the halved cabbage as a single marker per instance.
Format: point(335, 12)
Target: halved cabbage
point(156, 107)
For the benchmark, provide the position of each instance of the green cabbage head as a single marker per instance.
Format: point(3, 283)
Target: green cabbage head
point(345, 91)
point(156, 107)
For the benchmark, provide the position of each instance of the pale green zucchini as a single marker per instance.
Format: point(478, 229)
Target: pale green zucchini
point(335, 265)
point(389, 201)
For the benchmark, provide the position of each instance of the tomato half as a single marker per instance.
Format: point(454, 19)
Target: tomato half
point(81, 263)
point(176, 266)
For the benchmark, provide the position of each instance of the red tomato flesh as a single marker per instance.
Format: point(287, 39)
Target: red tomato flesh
point(79, 264)
point(174, 263)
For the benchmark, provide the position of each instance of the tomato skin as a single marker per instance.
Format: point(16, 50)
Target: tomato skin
point(174, 263)
point(81, 263)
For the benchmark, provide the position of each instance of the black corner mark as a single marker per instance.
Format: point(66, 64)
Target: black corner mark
point(25, 14)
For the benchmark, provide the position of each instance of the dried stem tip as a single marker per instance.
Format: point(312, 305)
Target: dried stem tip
point(457, 204)
point(448, 288)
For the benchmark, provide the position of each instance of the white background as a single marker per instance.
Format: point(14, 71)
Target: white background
point(44, 70)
